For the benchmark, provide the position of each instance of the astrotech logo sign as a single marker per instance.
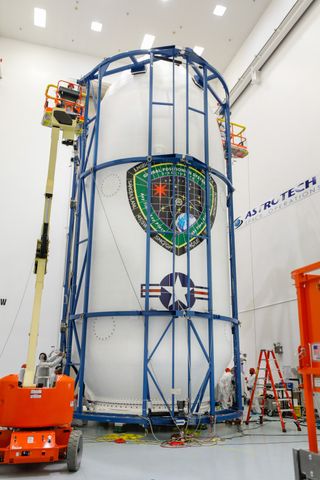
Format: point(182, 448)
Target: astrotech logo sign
point(169, 203)
point(290, 196)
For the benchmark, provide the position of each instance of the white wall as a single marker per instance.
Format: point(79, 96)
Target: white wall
point(267, 24)
point(282, 119)
point(281, 115)
point(24, 152)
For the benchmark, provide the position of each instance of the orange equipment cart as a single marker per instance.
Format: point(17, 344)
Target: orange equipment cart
point(307, 281)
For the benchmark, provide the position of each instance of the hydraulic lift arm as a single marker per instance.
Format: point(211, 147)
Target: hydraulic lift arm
point(65, 116)
point(41, 262)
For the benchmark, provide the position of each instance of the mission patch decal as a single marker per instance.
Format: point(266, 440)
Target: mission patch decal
point(167, 215)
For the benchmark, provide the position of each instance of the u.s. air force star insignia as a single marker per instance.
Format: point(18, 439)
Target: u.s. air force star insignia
point(175, 292)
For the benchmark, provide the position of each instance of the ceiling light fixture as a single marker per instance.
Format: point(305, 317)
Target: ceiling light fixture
point(219, 10)
point(198, 50)
point(39, 17)
point(96, 26)
point(147, 41)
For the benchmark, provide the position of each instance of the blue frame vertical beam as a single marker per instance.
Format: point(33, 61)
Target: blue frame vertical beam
point(75, 256)
point(173, 287)
point(208, 240)
point(66, 284)
point(145, 386)
point(173, 103)
point(173, 336)
point(189, 355)
point(89, 250)
point(233, 268)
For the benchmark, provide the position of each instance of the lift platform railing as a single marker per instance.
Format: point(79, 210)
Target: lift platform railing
point(238, 141)
point(66, 95)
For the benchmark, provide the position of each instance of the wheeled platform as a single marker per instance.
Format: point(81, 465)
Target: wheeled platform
point(36, 423)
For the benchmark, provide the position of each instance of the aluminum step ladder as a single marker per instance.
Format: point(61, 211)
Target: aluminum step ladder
point(265, 377)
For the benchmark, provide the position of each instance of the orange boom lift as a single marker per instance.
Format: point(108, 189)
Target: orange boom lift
point(307, 281)
point(35, 418)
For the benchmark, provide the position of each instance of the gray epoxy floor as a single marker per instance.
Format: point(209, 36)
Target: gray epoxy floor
point(263, 453)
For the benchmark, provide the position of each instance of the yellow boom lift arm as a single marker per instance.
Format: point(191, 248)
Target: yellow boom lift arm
point(63, 113)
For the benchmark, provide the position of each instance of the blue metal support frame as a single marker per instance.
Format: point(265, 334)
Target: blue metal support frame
point(67, 279)
point(233, 271)
point(78, 265)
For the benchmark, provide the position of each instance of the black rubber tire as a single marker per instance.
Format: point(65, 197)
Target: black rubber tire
point(74, 450)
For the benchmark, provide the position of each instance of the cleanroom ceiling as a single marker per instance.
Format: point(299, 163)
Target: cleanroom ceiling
point(125, 22)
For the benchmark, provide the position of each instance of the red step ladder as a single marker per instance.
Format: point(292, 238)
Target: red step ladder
point(267, 359)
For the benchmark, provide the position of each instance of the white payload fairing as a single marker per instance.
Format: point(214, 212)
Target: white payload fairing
point(115, 343)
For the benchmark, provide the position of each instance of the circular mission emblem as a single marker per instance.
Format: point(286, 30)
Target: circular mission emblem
point(168, 203)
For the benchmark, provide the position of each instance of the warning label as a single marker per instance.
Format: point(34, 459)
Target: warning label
point(35, 394)
point(315, 351)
